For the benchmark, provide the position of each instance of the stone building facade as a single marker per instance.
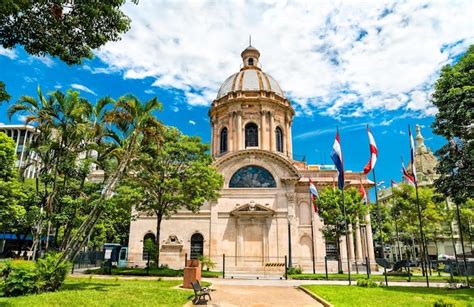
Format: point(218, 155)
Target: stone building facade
point(264, 209)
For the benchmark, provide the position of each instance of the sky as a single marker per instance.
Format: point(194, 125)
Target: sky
point(341, 64)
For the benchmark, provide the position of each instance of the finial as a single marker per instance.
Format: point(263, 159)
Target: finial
point(250, 40)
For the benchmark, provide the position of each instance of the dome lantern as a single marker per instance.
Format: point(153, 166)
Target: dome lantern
point(250, 57)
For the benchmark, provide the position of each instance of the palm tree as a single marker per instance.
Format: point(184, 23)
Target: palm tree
point(131, 125)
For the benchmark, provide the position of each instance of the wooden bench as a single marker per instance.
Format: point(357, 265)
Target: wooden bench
point(200, 292)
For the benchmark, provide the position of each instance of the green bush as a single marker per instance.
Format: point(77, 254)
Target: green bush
point(207, 262)
point(294, 270)
point(366, 283)
point(50, 275)
point(27, 277)
point(18, 279)
point(441, 303)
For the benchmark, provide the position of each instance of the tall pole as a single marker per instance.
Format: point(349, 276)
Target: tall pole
point(462, 241)
point(424, 258)
point(312, 230)
point(379, 218)
point(290, 264)
point(452, 238)
point(347, 236)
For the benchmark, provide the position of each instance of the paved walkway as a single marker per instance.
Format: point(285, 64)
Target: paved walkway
point(259, 296)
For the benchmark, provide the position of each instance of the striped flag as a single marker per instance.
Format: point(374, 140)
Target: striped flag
point(336, 157)
point(412, 156)
point(393, 183)
point(314, 194)
point(373, 153)
point(363, 194)
point(409, 178)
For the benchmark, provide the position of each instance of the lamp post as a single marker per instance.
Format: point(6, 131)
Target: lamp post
point(290, 262)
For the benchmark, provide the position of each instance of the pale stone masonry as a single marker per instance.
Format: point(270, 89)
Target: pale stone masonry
point(264, 191)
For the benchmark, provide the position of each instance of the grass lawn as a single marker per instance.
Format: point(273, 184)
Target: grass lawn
point(163, 272)
point(392, 296)
point(333, 276)
point(107, 292)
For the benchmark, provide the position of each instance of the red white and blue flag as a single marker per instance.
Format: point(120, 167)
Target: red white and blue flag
point(412, 156)
point(363, 194)
point(409, 178)
point(314, 194)
point(336, 157)
point(393, 183)
point(373, 153)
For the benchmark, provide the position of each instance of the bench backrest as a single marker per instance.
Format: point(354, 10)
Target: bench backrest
point(196, 286)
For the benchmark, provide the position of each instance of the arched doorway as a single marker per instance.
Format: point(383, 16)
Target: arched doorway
point(149, 241)
point(197, 245)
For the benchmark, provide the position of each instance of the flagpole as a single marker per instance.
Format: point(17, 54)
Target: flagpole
point(396, 229)
point(424, 259)
point(379, 217)
point(345, 223)
point(312, 230)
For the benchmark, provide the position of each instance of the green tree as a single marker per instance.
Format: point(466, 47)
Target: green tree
point(331, 211)
point(3, 93)
point(175, 175)
point(7, 157)
point(67, 29)
point(132, 127)
point(454, 98)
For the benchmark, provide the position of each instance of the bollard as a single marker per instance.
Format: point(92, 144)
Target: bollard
point(185, 259)
point(409, 274)
point(223, 266)
point(367, 264)
point(357, 267)
point(326, 266)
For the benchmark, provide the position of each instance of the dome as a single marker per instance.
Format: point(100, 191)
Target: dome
point(250, 77)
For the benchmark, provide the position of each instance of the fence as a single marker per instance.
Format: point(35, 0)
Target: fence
point(88, 259)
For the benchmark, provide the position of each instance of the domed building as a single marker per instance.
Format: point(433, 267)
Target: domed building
point(263, 213)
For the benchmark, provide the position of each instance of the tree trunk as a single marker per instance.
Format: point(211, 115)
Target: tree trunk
point(159, 217)
point(339, 255)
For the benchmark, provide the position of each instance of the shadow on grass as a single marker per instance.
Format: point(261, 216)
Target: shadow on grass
point(88, 285)
point(458, 294)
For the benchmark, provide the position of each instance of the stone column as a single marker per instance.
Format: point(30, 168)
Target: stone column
point(263, 130)
point(358, 242)
point(213, 138)
point(239, 131)
point(351, 242)
point(370, 241)
point(230, 134)
point(272, 129)
point(287, 137)
point(290, 144)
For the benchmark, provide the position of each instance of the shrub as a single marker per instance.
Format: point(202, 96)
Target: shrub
point(19, 279)
point(27, 277)
point(50, 274)
point(441, 303)
point(207, 262)
point(366, 283)
point(294, 270)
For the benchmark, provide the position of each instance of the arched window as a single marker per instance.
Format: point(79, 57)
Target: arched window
point(223, 140)
point(149, 248)
point(251, 135)
point(197, 245)
point(252, 176)
point(250, 61)
point(279, 139)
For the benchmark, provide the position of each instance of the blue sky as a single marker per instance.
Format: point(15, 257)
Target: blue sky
point(340, 64)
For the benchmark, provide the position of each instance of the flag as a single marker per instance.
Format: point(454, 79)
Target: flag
point(314, 194)
point(373, 153)
point(336, 157)
point(363, 194)
point(409, 178)
point(393, 184)
point(412, 156)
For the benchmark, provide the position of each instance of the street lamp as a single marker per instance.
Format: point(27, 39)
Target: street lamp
point(290, 218)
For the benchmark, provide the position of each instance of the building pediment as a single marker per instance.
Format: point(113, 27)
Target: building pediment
point(252, 209)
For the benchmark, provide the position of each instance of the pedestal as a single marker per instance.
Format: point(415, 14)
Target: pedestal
point(191, 272)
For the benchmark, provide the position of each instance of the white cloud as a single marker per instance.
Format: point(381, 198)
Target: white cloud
point(150, 92)
point(337, 58)
point(46, 60)
point(83, 88)
point(9, 53)
point(175, 109)
point(21, 118)
point(192, 122)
